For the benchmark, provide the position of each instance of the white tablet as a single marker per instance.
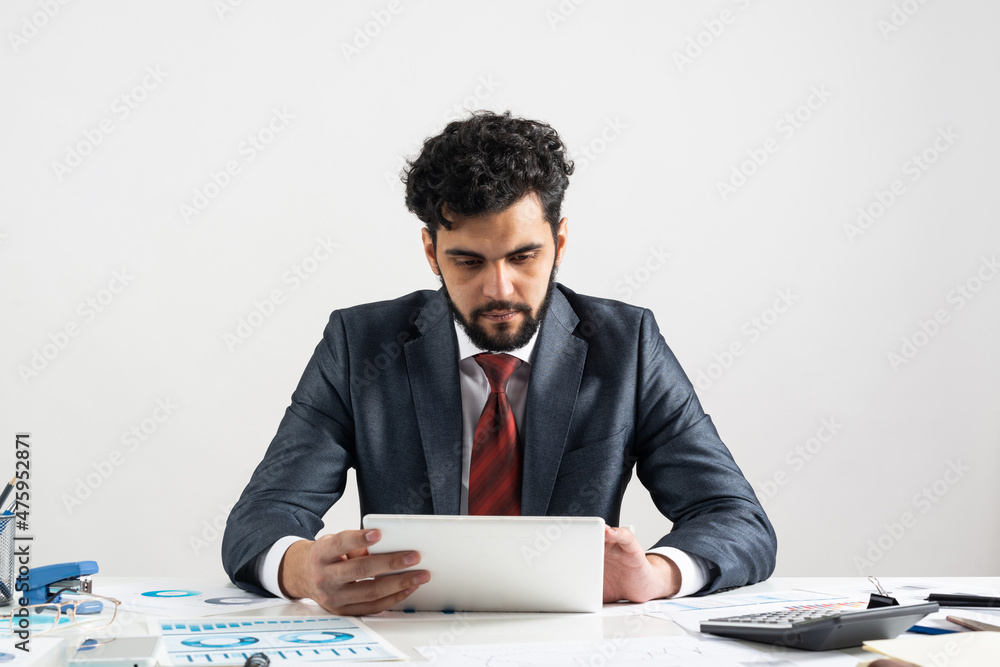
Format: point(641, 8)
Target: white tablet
point(493, 563)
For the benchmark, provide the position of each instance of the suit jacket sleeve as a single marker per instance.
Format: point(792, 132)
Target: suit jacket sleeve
point(305, 468)
point(691, 475)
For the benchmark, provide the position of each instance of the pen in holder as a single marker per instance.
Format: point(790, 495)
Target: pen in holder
point(6, 559)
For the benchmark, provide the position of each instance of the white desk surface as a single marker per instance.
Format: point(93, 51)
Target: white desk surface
point(405, 634)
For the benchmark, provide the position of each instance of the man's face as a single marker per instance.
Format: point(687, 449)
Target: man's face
point(497, 270)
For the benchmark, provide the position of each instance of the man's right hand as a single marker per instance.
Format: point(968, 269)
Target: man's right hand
point(336, 572)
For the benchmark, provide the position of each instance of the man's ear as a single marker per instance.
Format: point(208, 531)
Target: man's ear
point(561, 239)
point(429, 251)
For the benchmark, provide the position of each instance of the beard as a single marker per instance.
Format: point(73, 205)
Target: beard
point(506, 338)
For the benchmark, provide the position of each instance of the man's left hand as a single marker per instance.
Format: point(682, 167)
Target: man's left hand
point(632, 574)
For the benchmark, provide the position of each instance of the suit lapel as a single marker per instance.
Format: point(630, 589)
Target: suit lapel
point(432, 366)
point(556, 371)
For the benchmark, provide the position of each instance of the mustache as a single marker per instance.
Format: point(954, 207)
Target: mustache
point(502, 306)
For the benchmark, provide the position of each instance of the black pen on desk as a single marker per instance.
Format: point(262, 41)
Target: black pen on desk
point(7, 490)
point(960, 600)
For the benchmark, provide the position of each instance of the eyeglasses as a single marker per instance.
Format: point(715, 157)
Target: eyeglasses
point(41, 619)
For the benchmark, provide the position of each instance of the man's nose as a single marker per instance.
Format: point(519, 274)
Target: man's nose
point(498, 284)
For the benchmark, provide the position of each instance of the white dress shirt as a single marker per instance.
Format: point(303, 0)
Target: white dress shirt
point(475, 390)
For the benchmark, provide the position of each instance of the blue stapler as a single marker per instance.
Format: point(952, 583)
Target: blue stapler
point(46, 584)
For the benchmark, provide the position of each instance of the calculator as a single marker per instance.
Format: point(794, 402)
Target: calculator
point(820, 628)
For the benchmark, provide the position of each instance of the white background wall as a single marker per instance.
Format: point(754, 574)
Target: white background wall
point(117, 114)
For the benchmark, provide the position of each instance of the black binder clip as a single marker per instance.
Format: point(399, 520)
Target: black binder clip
point(882, 598)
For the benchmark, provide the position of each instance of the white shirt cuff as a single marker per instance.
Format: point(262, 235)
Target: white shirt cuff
point(694, 569)
point(267, 566)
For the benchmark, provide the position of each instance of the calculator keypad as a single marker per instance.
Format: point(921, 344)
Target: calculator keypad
point(784, 617)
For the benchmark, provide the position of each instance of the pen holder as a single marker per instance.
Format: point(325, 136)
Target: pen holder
point(6, 559)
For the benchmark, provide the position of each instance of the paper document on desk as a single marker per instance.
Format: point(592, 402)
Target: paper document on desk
point(904, 588)
point(165, 598)
point(690, 612)
point(969, 649)
point(44, 651)
point(939, 619)
point(700, 651)
point(286, 640)
point(915, 591)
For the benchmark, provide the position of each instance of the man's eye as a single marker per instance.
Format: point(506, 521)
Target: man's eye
point(467, 263)
point(524, 257)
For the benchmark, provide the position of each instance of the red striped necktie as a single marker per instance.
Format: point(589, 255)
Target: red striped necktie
point(495, 469)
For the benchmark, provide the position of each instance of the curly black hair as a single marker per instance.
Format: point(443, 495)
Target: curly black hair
point(485, 164)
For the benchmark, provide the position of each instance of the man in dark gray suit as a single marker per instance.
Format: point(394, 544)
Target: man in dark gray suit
point(577, 391)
